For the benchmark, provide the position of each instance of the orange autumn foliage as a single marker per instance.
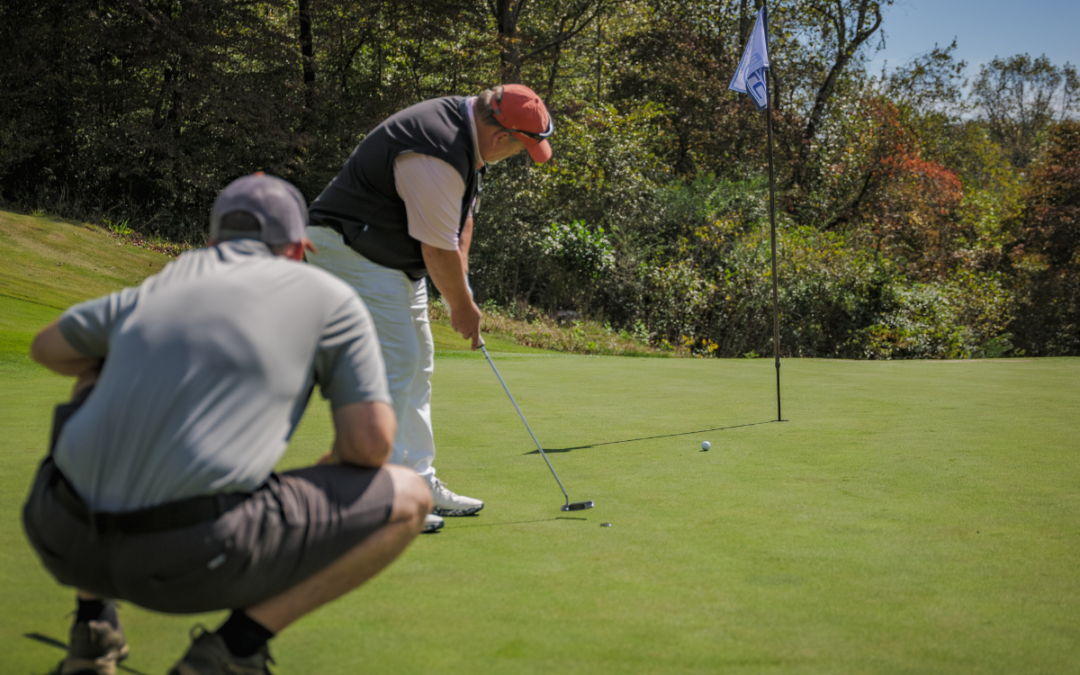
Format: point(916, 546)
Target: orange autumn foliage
point(908, 204)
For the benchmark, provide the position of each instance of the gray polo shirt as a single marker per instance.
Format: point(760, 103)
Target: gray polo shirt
point(208, 369)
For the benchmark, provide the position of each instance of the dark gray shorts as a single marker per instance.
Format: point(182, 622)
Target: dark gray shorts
point(295, 525)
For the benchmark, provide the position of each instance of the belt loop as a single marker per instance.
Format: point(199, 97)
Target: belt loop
point(94, 526)
point(219, 505)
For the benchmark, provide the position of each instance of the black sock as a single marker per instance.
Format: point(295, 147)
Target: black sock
point(97, 610)
point(243, 635)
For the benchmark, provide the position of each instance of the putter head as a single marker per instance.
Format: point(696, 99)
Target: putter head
point(578, 506)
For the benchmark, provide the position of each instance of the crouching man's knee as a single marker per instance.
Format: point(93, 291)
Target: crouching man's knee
point(412, 496)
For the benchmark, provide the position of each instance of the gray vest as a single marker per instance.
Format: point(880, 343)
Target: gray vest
point(362, 202)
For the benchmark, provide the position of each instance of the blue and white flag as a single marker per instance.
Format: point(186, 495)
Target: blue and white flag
point(750, 75)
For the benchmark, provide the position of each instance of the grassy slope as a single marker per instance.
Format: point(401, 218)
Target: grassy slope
point(50, 264)
point(91, 263)
point(34, 288)
point(910, 517)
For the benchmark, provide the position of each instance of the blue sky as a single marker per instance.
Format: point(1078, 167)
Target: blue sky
point(983, 29)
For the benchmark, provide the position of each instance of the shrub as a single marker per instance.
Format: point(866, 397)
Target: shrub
point(574, 262)
point(962, 317)
point(604, 174)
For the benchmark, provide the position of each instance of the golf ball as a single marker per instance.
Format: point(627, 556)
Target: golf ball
point(705, 445)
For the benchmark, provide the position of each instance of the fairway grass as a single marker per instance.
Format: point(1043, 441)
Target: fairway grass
point(907, 517)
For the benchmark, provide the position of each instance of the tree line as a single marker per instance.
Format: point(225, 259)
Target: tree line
point(922, 213)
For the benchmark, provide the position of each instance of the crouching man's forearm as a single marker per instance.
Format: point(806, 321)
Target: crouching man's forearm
point(364, 435)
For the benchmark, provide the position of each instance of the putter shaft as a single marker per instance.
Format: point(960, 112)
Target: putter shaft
point(543, 454)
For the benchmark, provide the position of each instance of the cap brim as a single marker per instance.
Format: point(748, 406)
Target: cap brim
point(541, 152)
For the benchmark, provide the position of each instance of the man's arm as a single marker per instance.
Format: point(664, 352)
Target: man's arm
point(432, 191)
point(349, 368)
point(464, 239)
point(51, 350)
point(448, 270)
point(364, 434)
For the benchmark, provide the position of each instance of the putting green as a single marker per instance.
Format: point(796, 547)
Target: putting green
point(907, 517)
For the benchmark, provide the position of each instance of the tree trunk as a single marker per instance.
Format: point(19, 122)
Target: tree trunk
point(599, 58)
point(307, 52)
point(507, 13)
point(554, 73)
point(745, 24)
point(848, 42)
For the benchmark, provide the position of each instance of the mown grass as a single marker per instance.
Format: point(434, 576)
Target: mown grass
point(56, 263)
point(908, 517)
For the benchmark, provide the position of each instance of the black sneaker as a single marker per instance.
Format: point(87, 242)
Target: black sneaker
point(208, 655)
point(94, 648)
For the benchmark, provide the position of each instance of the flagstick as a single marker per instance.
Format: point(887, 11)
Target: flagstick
point(772, 219)
point(755, 60)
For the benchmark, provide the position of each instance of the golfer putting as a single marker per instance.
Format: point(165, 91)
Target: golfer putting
point(401, 209)
point(159, 489)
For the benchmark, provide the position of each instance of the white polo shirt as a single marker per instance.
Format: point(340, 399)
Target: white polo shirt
point(432, 191)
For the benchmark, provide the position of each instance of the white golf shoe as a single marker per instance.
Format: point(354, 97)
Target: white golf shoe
point(432, 523)
point(449, 504)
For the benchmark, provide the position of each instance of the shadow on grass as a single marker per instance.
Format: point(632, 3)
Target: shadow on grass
point(650, 438)
point(519, 522)
point(53, 642)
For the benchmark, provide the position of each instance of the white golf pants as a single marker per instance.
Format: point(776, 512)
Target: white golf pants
point(398, 306)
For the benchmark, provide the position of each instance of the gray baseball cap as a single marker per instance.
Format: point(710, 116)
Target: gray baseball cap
point(276, 205)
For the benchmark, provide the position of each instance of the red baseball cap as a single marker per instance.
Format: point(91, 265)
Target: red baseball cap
point(523, 114)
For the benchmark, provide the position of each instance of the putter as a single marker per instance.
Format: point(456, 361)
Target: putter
point(568, 506)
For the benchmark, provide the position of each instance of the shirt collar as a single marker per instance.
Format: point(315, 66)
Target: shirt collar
point(234, 248)
point(470, 102)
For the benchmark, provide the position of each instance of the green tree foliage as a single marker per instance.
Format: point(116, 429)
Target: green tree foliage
point(1021, 97)
point(371, 58)
point(1047, 251)
point(530, 33)
point(913, 222)
point(708, 130)
point(606, 177)
point(839, 32)
point(146, 108)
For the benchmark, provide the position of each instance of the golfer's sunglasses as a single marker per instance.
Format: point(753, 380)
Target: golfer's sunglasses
point(542, 136)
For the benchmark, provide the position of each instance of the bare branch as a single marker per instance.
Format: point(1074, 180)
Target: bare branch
point(562, 36)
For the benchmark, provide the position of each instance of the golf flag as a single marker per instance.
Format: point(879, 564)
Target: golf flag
point(750, 75)
point(750, 79)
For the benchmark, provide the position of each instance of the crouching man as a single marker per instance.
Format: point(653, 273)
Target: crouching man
point(159, 488)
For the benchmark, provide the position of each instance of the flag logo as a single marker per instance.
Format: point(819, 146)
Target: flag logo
point(750, 75)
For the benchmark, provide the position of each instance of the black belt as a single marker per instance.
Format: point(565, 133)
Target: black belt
point(170, 516)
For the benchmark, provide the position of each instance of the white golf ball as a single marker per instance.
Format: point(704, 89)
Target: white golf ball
point(705, 445)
